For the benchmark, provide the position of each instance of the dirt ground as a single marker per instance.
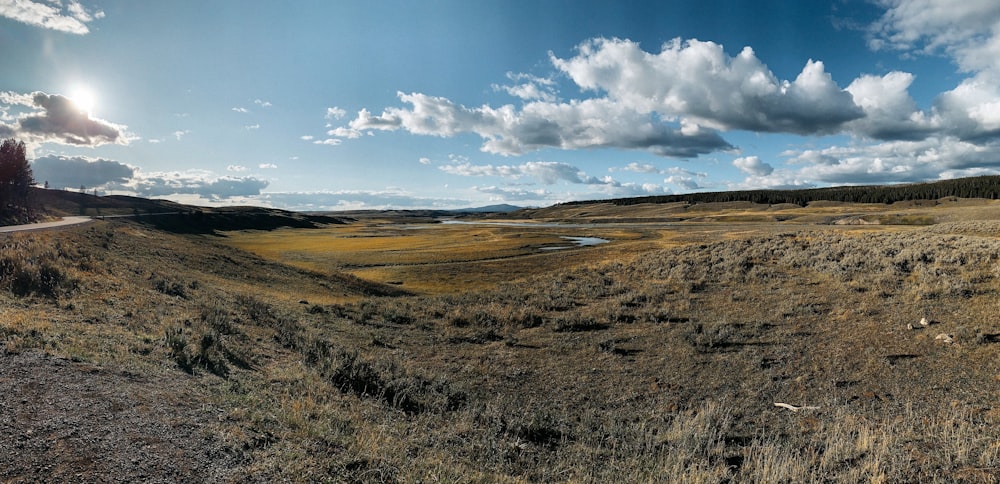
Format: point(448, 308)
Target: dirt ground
point(62, 421)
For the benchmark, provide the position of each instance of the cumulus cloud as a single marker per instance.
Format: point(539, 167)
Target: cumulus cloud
point(53, 118)
point(110, 175)
point(590, 123)
point(698, 80)
point(890, 112)
point(896, 141)
point(241, 110)
point(967, 31)
point(267, 166)
point(76, 171)
point(192, 182)
point(547, 172)
point(752, 165)
point(685, 182)
point(344, 133)
point(515, 194)
point(262, 103)
point(636, 167)
point(672, 103)
point(896, 161)
point(335, 113)
point(529, 88)
point(357, 200)
point(51, 16)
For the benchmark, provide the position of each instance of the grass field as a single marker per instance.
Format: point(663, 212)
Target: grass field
point(383, 351)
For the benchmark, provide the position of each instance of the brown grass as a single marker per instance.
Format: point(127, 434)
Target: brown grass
point(657, 357)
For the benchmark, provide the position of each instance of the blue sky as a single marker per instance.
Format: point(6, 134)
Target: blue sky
point(443, 104)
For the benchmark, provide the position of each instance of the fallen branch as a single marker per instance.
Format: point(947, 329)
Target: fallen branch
point(793, 407)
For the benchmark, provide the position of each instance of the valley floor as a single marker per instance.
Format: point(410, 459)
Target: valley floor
point(380, 353)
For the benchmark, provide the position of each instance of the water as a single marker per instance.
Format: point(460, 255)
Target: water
point(576, 241)
point(580, 242)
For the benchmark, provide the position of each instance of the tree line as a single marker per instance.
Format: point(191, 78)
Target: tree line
point(16, 180)
point(973, 187)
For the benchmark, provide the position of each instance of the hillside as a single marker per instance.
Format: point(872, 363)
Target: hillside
point(171, 216)
point(986, 187)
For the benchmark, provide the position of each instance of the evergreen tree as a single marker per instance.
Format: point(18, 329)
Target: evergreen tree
point(16, 180)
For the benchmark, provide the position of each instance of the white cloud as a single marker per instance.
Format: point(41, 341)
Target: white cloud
point(53, 118)
point(267, 166)
point(964, 30)
point(529, 88)
point(752, 165)
point(335, 113)
point(251, 127)
point(306, 137)
point(670, 103)
point(73, 172)
point(201, 183)
point(110, 175)
point(236, 168)
point(890, 112)
point(516, 194)
point(551, 173)
point(686, 179)
point(895, 161)
point(241, 110)
point(685, 182)
point(699, 81)
point(344, 133)
point(547, 172)
point(181, 133)
point(425, 161)
point(357, 200)
point(591, 123)
point(968, 32)
point(636, 167)
point(262, 103)
point(50, 16)
point(779, 180)
point(328, 142)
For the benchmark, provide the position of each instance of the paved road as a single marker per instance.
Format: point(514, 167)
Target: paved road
point(66, 221)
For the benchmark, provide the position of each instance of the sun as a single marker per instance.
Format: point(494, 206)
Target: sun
point(83, 98)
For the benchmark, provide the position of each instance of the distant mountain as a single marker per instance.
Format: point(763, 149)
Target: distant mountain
point(502, 208)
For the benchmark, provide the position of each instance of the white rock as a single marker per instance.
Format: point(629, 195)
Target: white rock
point(924, 322)
point(944, 338)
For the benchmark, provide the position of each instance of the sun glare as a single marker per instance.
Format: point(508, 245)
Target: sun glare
point(83, 99)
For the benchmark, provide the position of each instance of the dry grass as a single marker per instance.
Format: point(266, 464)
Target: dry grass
point(658, 357)
point(426, 258)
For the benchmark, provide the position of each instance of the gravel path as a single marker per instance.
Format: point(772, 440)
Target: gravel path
point(62, 421)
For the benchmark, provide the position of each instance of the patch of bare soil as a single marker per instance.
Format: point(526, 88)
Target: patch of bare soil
point(63, 421)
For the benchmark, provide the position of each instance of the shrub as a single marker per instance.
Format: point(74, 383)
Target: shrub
point(209, 354)
point(170, 288)
point(28, 268)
